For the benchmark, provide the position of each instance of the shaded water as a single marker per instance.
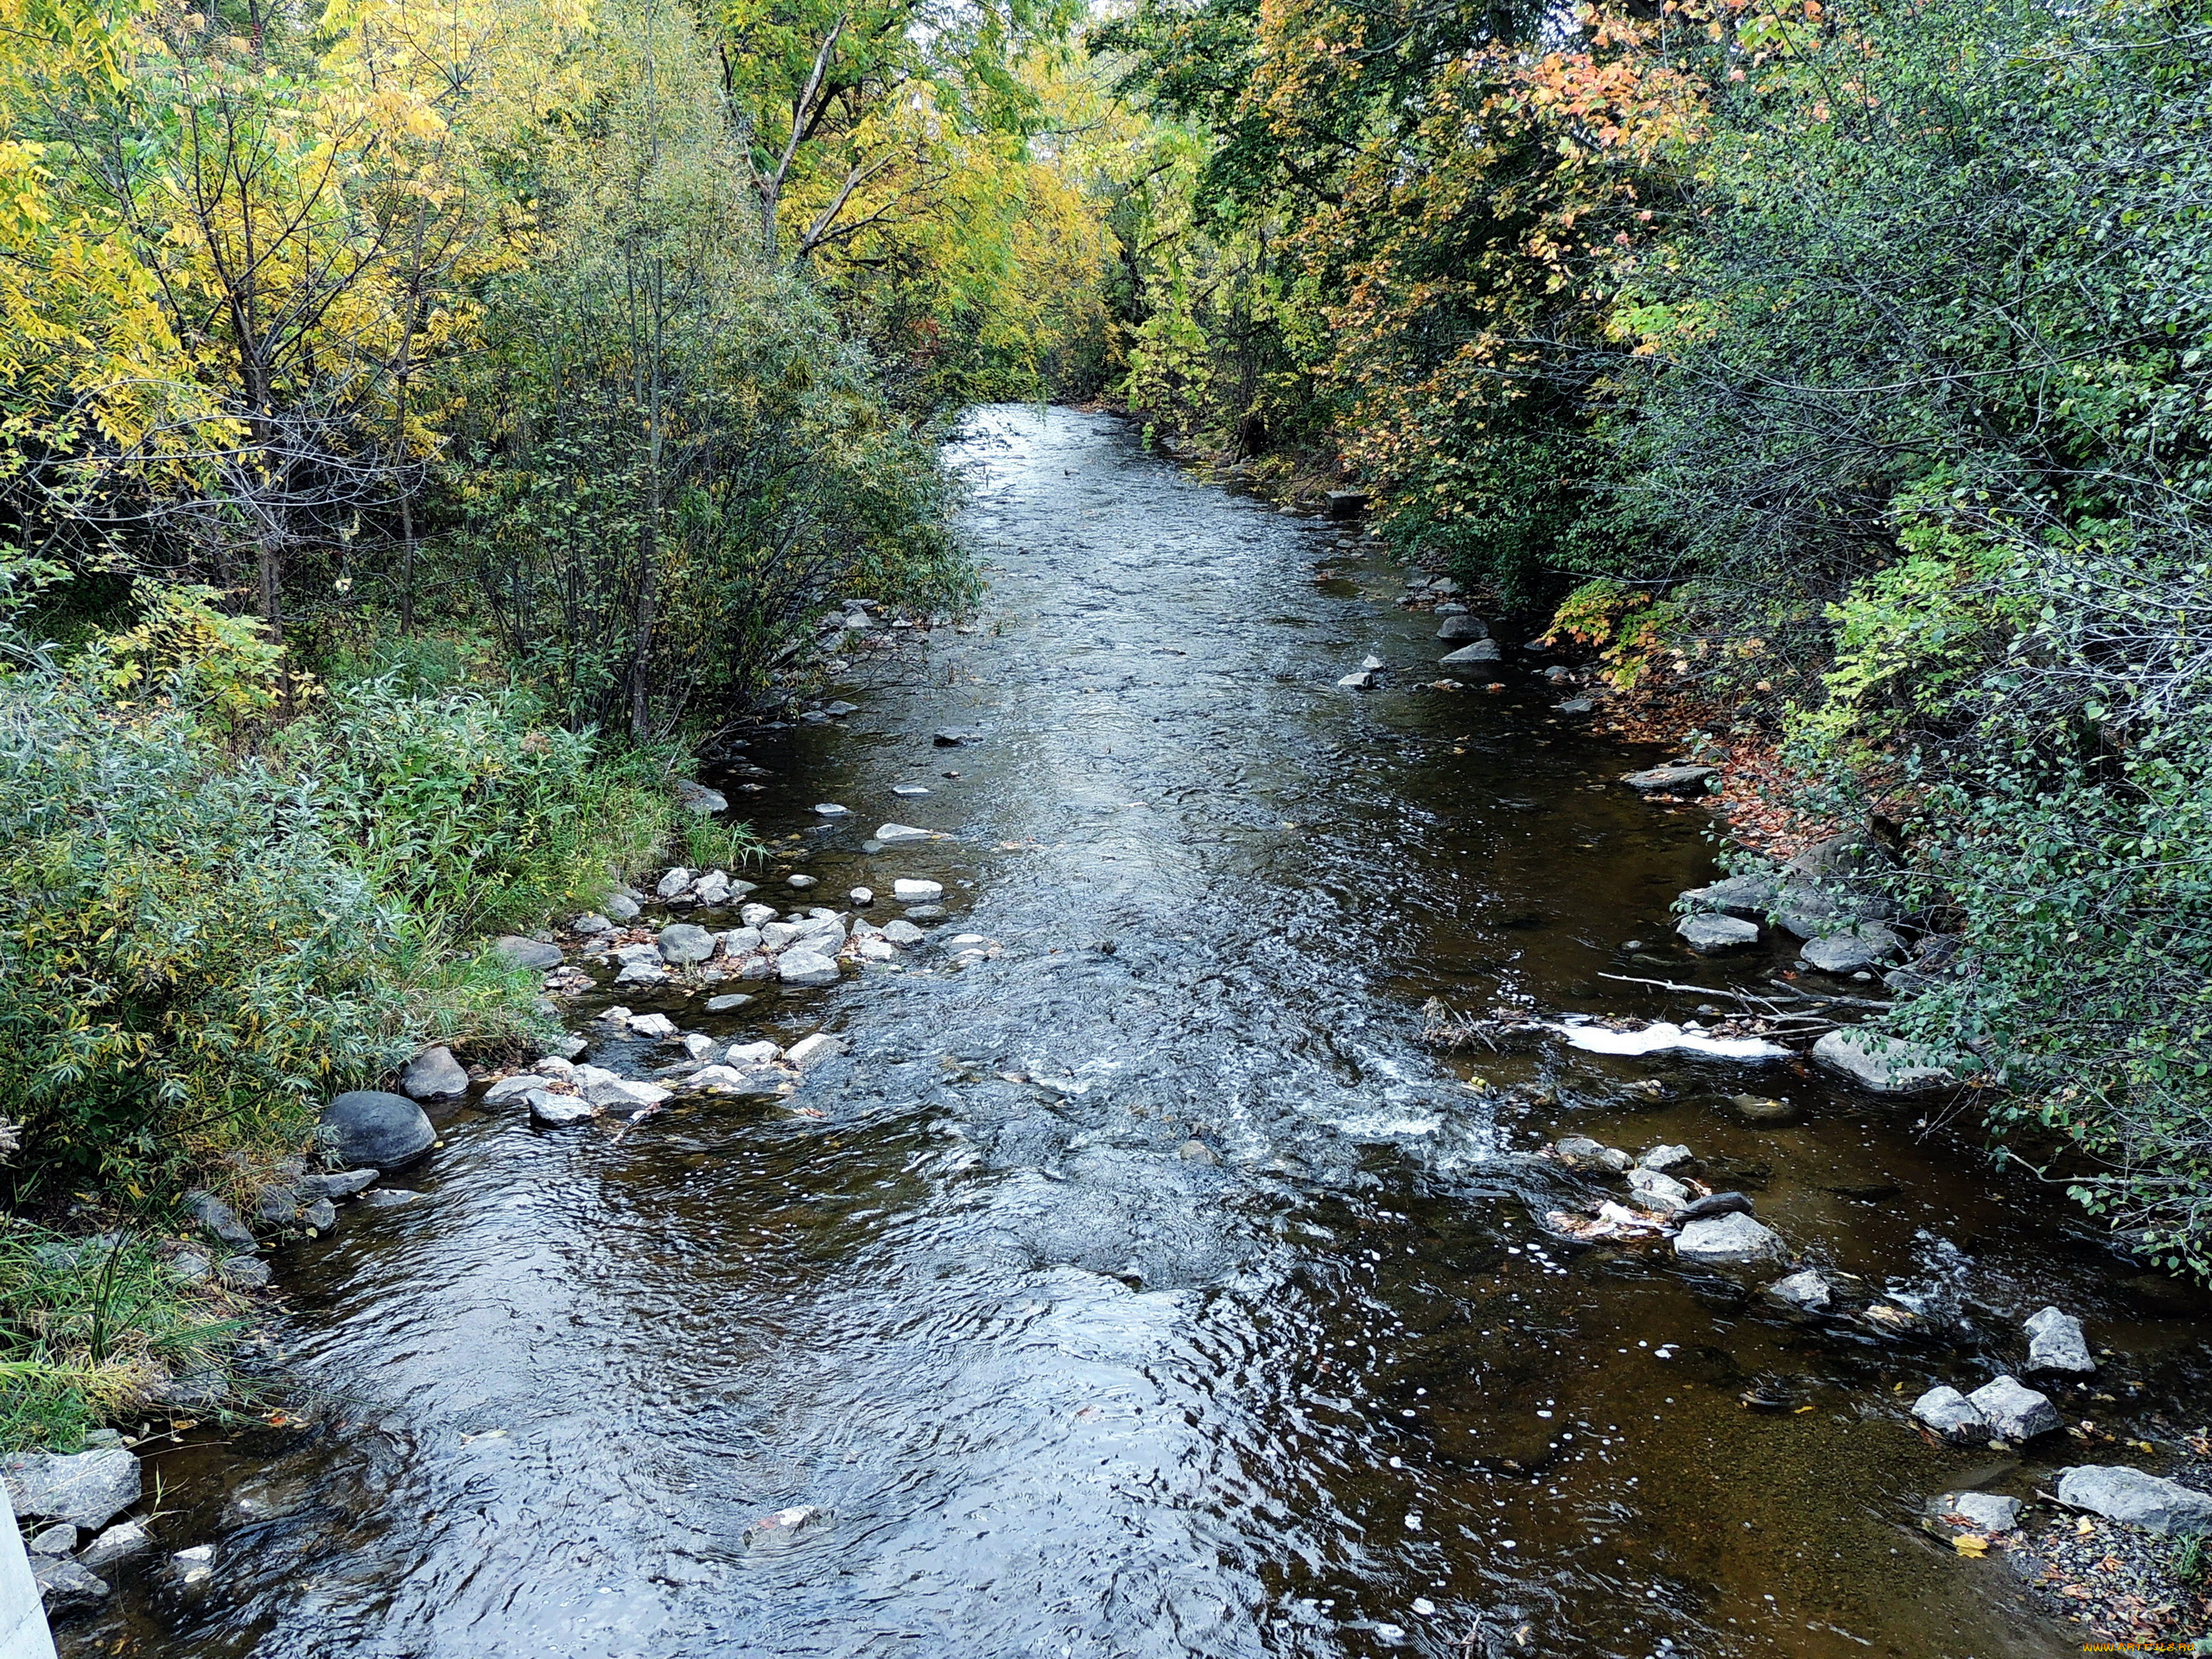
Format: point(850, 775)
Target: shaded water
point(1060, 1388)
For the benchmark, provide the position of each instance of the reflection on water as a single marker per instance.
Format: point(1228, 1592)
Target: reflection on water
point(1145, 1288)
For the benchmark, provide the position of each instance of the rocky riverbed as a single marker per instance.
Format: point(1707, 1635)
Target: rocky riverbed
point(1123, 1266)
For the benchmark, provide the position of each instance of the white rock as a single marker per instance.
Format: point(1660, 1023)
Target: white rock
point(903, 933)
point(1372, 663)
point(916, 892)
point(909, 790)
point(831, 809)
point(1984, 1512)
point(1662, 1035)
point(2055, 1344)
point(514, 1088)
point(652, 1025)
point(811, 1050)
point(2127, 1495)
point(740, 942)
point(1659, 1191)
point(776, 935)
point(896, 834)
point(677, 880)
point(862, 895)
point(698, 1045)
point(195, 1564)
point(2014, 1411)
point(745, 1054)
point(1807, 1290)
point(876, 950)
point(1951, 1414)
point(552, 1065)
point(626, 1092)
point(1883, 1066)
point(711, 888)
point(1358, 682)
point(1728, 1241)
point(757, 915)
point(558, 1110)
point(802, 965)
point(1667, 1158)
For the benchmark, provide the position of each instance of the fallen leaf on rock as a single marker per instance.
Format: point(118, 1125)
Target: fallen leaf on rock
point(1971, 1543)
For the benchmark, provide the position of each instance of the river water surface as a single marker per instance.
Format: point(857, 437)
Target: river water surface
point(1058, 1383)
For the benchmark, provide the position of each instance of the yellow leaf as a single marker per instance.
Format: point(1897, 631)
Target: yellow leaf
point(1971, 1543)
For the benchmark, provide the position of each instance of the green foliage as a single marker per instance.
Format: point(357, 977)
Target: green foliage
point(468, 806)
point(87, 1327)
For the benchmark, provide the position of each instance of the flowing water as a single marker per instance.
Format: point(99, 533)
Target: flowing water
point(1060, 1382)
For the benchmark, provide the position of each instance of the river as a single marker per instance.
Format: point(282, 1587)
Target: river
point(1059, 1381)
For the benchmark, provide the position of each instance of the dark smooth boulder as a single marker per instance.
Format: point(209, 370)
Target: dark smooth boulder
point(384, 1131)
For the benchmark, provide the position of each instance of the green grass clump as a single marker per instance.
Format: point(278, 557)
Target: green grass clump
point(89, 1327)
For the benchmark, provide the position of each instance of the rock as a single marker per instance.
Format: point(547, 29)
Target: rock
point(1883, 1066)
point(1196, 1152)
point(916, 892)
point(222, 1221)
point(737, 1080)
point(896, 835)
point(1483, 651)
point(1656, 1192)
point(343, 1185)
point(1359, 681)
point(1748, 896)
point(1951, 1415)
point(675, 881)
point(2055, 1344)
point(697, 797)
point(322, 1215)
point(1668, 1158)
point(514, 1088)
point(190, 1268)
point(753, 1053)
point(620, 907)
point(390, 1197)
point(1443, 585)
point(434, 1075)
point(909, 789)
point(85, 1489)
point(947, 737)
point(1670, 780)
point(652, 1025)
point(1464, 627)
point(802, 882)
point(698, 1045)
point(122, 1539)
point(682, 943)
point(1576, 706)
point(65, 1586)
point(2129, 1495)
point(384, 1131)
point(527, 953)
point(757, 915)
point(742, 942)
point(1715, 1204)
point(801, 965)
point(591, 924)
point(1581, 1151)
point(1854, 950)
point(556, 1111)
point(1983, 1512)
point(243, 1272)
point(195, 1564)
point(59, 1539)
point(1807, 1291)
point(2013, 1411)
point(1708, 932)
point(1728, 1241)
point(922, 913)
point(712, 888)
point(831, 809)
point(1762, 1110)
point(903, 933)
point(624, 1094)
point(812, 1051)
point(727, 1000)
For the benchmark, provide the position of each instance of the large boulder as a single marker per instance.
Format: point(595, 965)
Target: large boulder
point(533, 953)
point(1483, 651)
point(1706, 933)
point(64, 1585)
point(434, 1075)
point(684, 941)
point(382, 1131)
point(1750, 896)
point(1671, 780)
point(1854, 950)
point(85, 1489)
point(2118, 1493)
point(1464, 627)
point(1951, 1414)
point(2014, 1411)
point(2056, 1343)
point(1729, 1240)
point(1883, 1066)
